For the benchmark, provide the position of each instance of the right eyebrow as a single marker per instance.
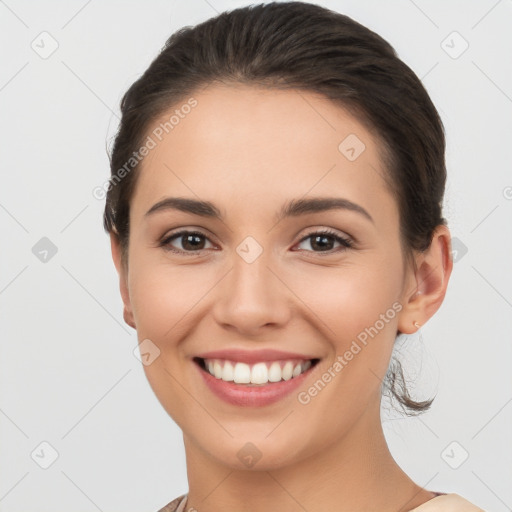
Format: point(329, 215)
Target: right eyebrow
point(194, 206)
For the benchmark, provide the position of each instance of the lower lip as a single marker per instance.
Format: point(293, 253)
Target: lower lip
point(252, 396)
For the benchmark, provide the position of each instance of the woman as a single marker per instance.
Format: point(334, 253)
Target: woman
point(275, 213)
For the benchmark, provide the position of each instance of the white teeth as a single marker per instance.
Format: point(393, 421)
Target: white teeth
point(217, 369)
point(228, 371)
point(287, 370)
point(274, 372)
point(242, 373)
point(259, 373)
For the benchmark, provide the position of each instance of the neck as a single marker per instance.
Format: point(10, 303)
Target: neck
point(356, 474)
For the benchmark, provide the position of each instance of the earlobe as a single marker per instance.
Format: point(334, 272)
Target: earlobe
point(434, 267)
point(115, 246)
point(128, 317)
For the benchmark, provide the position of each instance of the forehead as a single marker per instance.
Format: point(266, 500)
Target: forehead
point(260, 144)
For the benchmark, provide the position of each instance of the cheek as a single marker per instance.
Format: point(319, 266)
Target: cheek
point(350, 298)
point(356, 309)
point(164, 295)
point(163, 298)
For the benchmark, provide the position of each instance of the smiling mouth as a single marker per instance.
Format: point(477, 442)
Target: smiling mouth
point(262, 373)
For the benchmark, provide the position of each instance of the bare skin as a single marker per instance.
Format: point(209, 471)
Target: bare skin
point(248, 151)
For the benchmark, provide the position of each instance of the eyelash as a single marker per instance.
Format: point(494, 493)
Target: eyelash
point(345, 242)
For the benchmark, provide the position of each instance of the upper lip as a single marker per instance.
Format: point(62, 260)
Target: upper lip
point(253, 356)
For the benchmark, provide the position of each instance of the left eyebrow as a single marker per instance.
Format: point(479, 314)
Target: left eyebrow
point(297, 207)
point(293, 208)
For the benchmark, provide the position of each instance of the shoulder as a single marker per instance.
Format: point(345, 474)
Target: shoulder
point(176, 505)
point(448, 503)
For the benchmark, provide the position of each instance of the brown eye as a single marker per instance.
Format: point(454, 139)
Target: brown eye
point(190, 241)
point(325, 240)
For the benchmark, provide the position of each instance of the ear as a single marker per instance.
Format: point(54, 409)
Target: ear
point(115, 246)
point(426, 287)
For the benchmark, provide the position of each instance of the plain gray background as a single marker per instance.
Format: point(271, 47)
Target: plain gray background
point(68, 374)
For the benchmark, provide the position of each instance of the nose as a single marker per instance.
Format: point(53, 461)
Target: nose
point(251, 297)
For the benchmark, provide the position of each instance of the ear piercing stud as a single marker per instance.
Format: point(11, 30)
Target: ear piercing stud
point(416, 324)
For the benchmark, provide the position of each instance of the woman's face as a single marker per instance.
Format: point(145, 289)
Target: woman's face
point(253, 279)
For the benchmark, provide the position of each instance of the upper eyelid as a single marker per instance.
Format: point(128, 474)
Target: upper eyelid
point(186, 231)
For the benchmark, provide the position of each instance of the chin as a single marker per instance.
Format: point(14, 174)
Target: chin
point(257, 453)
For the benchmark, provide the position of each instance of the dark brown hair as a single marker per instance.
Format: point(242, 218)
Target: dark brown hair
point(301, 46)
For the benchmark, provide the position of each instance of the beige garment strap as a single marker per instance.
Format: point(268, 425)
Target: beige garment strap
point(448, 503)
point(182, 505)
point(445, 503)
point(176, 505)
